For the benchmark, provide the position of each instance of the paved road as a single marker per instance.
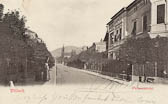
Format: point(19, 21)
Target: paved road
point(64, 75)
point(91, 90)
point(70, 76)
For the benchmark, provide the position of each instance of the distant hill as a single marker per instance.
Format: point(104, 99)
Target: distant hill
point(68, 50)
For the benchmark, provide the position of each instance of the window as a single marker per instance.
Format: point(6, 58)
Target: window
point(115, 38)
point(134, 28)
point(117, 32)
point(135, 8)
point(144, 23)
point(111, 38)
point(145, 1)
point(120, 35)
point(161, 13)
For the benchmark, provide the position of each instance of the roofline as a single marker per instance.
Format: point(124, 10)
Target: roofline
point(109, 22)
point(123, 10)
point(117, 14)
point(132, 4)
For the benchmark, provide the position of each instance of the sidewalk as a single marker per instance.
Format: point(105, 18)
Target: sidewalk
point(124, 82)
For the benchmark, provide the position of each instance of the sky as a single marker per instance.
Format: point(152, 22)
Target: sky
point(67, 22)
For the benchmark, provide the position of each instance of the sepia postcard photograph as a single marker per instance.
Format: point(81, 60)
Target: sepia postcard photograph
point(83, 51)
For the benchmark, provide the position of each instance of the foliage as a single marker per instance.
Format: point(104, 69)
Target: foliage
point(16, 23)
point(41, 54)
point(138, 50)
point(86, 57)
point(161, 49)
point(144, 50)
point(1, 10)
point(36, 51)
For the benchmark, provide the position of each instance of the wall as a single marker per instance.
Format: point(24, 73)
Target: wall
point(116, 24)
point(159, 29)
point(136, 13)
point(101, 47)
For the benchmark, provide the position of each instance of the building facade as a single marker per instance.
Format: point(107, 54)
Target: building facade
point(159, 18)
point(100, 46)
point(116, 29)
point(140, 19)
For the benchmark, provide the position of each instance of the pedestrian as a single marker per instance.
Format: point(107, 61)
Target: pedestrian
point(144, 77)
point(140, 79)
point(164, 73)
point(11, 84)
point(47, 71)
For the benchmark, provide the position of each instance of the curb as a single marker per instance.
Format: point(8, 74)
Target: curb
point(99, 75)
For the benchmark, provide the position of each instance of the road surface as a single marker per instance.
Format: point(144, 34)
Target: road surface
point(87, 89)
point(64, 75)
point(70, 76)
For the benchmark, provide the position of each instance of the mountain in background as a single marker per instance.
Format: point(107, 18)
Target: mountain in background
point(67, 50)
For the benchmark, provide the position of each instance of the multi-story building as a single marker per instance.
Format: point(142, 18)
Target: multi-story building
point(100, 46)
point(116, 29)
point(159, 18)
point(141, 18)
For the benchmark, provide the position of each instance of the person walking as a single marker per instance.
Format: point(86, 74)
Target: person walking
point(164, 73)
point(47, 71)
point(144, 77)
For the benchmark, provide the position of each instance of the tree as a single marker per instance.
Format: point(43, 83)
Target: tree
point(139, 50)
point(73, 53)
point(19, 52)
point(16, 23)
point(1, 11)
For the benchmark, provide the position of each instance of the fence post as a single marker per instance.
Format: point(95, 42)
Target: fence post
point(132, 71)
point(156, 68)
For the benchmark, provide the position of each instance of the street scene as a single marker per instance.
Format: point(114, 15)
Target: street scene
point(72, 85)
point(84, 51)
point(136, 52)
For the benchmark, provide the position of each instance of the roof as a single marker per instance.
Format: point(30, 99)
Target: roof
point(116, 15)
point(130, 6)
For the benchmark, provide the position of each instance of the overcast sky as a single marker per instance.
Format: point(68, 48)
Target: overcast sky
point(68, 22)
